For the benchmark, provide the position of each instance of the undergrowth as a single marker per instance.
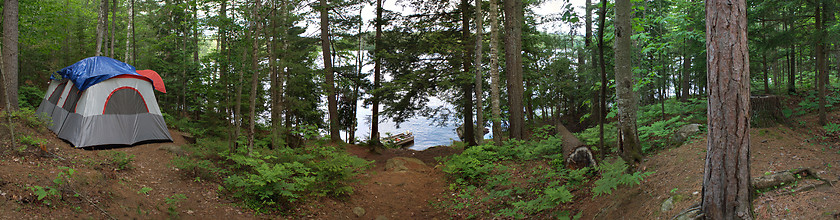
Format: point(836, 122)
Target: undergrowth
point(273, 179)
point(655, 129)
point(523, 180)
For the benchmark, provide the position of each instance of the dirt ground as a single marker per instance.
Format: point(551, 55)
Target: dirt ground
point(117, 194)
point(388, 194)
point(679, 175)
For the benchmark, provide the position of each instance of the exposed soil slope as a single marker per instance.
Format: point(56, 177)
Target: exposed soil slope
point(679, 175)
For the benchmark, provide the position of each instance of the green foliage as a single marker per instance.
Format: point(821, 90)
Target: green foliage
point(120, 160)
point(274, 179)
point(173, 201)
point(30, 140)
point(46, 194)
point(30, 97)
point(145, 190)
point(490, 178)
point(29, 118)
point(832, 128)
point(614, 174)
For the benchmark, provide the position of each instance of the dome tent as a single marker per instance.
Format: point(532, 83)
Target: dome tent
point(102, 101)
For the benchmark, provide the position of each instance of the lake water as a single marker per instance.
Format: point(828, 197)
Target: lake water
point(426, 133)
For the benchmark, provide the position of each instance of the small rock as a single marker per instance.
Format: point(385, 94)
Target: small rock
point(684, 133)
point(667, 205)
point(359, 211)
point(175, 149)
point(381, 217)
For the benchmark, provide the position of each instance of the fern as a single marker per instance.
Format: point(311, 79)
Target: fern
point(613, 175)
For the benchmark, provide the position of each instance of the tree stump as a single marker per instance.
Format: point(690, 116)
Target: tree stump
point(765, 111)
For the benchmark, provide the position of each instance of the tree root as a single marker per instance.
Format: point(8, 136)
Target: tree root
point(88, 200)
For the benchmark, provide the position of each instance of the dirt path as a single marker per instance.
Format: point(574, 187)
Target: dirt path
point(388, 193)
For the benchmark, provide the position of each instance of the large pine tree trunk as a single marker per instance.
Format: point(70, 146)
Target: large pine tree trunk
point(726, 180)
point(628, 139)
point(494, 73)
point(479, 78)
point(332, 104)
point(513, 66)
point(100, 26)
point(10, 54)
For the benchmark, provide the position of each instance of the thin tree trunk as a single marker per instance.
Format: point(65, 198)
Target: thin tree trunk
point(106, 39)
point(686, 78)
point(328, 71)
point(602, 63)
point(821, 74)
point(479, 78)
point(469, 127)
point(494, 73)
point(726, 180)
point(237, 117)
point(377, 78)
point(10, 54)
point(628, 139)
point(792, 65)
point(100, 25)
point(114, 8)
point(129, 33)
point(6, 100)
point(255, 75)
point(513, 66)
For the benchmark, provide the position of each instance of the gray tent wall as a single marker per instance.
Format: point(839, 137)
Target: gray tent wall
point(117, 111)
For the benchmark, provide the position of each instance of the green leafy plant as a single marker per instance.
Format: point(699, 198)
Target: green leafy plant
point(832, 128)
point(46, 194)
point(173, 201)
point(120, 160)
point(614, 174)
point(145, 190)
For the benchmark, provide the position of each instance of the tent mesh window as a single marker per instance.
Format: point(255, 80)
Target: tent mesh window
point(125, 100)
point(72, 99)
point(56, 95)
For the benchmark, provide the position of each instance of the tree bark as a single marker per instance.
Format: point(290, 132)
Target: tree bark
point(513, 66)
point(479, 78)
point(628, 139)
point(726, 180)
point(377, 78)
point(686, 77)
point(335, 135)
point(129, 34)
point(792, 65)
point(602, 113)
point(10, 54)
point(255, 76)
point(821, 73)
point(113, 40)
point(469, 126)
point(495, 109)
point(100, 26)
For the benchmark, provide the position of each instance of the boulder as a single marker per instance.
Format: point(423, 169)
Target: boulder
point(402, 164)
point(359, 211)
point(684, 133)
point(175, 149)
